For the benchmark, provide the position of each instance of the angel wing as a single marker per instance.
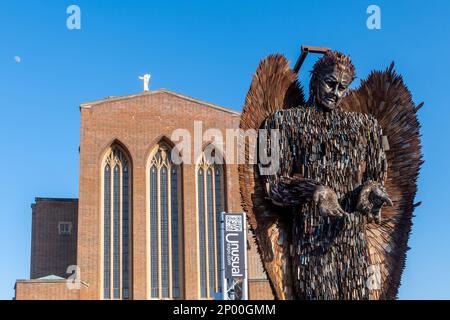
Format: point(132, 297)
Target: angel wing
point(274, 87)
point(385, 96)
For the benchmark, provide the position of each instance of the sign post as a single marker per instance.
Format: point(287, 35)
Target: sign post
point(234, 256)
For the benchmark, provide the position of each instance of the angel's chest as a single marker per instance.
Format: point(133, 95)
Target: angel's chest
point(337, 149)
point(330, 153)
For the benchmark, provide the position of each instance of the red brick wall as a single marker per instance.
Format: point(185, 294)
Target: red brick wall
point(45, 290)
point(259, 290)
point(52, 253)
point(255, 268)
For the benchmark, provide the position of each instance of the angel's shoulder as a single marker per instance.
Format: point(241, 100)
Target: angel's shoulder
point(365, 119)
point(287, 112)
point(287, 116)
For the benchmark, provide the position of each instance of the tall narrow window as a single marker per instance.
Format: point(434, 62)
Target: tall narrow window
point(202, 231)
point(107, 233)
point(210, 202)
point(175, 223)
point(165, 225)
point(219, 197)
point(116, 225)
point(154, 247)
point(125, 236)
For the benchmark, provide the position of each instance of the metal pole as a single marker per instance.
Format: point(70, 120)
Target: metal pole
point(245, 285)
point(304, 52)
point(222, 258)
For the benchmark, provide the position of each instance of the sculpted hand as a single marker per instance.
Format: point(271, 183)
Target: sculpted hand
point(327, 201)
point(371, 199)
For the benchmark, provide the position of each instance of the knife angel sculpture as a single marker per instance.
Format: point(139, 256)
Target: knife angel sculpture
point(332, 220)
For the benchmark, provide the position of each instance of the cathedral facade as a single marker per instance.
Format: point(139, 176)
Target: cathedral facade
point(145, 226)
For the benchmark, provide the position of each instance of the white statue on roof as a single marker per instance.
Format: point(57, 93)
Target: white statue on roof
point(146, 79)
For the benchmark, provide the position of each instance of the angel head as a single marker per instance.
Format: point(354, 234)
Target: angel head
point(330, 80)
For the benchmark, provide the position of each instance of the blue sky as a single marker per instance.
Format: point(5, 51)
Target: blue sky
point(208, 50)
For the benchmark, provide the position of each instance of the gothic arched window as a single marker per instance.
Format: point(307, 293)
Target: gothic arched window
point(116, 180)
point(210, 204)
point(165, 225)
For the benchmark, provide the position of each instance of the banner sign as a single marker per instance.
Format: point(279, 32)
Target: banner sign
point(235, 245)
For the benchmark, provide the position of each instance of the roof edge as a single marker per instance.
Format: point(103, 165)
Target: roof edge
point(89, 104)
point(41, 280)
point(36, 199)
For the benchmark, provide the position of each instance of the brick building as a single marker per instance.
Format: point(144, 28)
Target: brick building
point(144, 227)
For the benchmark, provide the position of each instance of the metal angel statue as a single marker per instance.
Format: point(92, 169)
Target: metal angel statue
point(334, 219)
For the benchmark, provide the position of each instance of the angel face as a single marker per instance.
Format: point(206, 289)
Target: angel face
point(332, 86)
